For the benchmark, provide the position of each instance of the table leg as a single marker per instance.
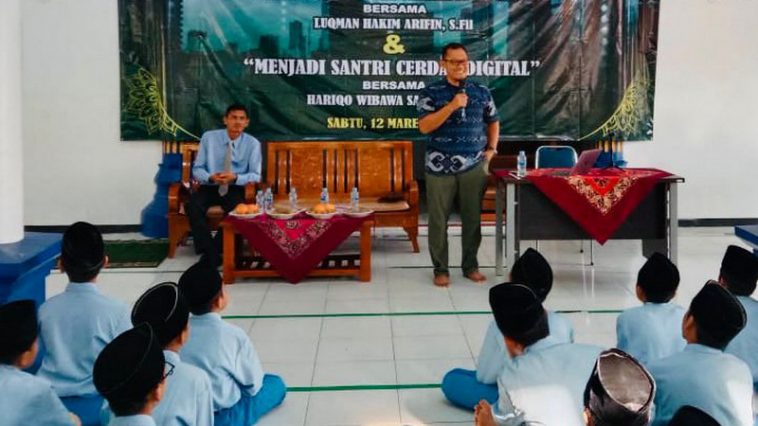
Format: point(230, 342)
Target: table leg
point(499, 196)
point(673, 233)
point(365, 270)
point(510, 223)
point(229, 253)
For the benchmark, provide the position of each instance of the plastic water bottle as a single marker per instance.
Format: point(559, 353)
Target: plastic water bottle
point(259, 199)
point(269, 200)
point(293, 198)
point(354, 200)
point(324, 195)
point(521, 164)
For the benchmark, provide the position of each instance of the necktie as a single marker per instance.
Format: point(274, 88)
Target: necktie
point(223, 189)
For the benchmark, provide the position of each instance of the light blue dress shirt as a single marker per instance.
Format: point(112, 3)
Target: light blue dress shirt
point(227, 355)
point(29, 400)
point(74, 327)
point(651, 331)
point(709, 379)
point(493, 356)
point(545, 385)
point(138, 420)
point(246, 157)
point(745, 345)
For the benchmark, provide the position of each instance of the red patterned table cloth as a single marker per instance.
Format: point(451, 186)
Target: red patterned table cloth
point(599, 201)
point(295, 246)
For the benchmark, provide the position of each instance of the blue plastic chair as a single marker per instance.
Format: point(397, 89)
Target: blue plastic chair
point(558, 156)
point(555, 156)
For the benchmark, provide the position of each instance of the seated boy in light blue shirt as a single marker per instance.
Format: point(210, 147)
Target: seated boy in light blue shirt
point(703, 375)
point(465, 388)
point(188, 399)
point(242, 392)
point(654, 330)
point(739, 273)
point(76, 324)
point(131, 374)
point(24, 398)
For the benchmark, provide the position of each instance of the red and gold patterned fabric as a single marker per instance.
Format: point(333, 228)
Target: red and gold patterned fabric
point(295, 246)
point(599, 201)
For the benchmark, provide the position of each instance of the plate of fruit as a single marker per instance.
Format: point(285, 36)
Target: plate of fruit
point(283, 213)
point(322, 211)
point(246, 211)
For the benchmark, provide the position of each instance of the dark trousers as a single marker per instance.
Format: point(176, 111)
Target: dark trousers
point(197, 207)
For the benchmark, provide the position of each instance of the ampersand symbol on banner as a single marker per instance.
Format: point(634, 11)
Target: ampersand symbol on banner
point(393, 46)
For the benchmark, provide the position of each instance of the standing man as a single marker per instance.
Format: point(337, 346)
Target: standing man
point(226, 160)
point(461, 120)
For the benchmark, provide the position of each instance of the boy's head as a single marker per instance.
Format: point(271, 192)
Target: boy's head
point(533, 271)
point(164, 309)
point(620, 391)
point(714, 318)
point(739, 271)
point(18, 333)
point(658, 279)
point(82, 252)
point(201, 287)
point(518, 313)
point(129, 372)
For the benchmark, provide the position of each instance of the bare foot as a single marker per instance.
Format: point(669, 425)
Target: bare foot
point(442, 280)
point(483, 414)
point(476, 276)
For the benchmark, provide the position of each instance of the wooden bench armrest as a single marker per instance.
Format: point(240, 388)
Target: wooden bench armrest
point(411, 194)
point(176, 195)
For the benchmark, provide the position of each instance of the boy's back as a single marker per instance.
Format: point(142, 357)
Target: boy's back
point(74, 327)
point(745, 345)
point(25, 399)
point(651, 331)
point(227, 355)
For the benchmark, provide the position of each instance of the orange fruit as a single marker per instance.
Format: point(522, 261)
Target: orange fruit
point(252, 208)
point(240, 209)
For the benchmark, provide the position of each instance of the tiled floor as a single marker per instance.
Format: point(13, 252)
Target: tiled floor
point(384, 342)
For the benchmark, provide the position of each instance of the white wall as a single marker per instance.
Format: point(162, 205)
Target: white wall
point(75, 167)
point(706, 115)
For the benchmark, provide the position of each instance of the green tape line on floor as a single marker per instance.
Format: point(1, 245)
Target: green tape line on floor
point(361, 387)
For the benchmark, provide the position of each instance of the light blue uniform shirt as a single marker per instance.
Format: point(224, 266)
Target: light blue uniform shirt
point(29, 400)
point(74, 327)
point(246, 157)
point(545, 385)
point(138, 420)
point(745, 345)
point(709, 379)
point(651, 331)
point(494, 355)
point(187, 399)
point(227, 355)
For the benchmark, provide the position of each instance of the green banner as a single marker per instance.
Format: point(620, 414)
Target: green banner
point(352, 69)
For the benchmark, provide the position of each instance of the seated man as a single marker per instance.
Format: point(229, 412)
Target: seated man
point(619, 392)
point(739, 273)
point(25, 399)
point(131, 374)
point(545, 382)
point(465, 388)
point(702, 375)
point(227, 159)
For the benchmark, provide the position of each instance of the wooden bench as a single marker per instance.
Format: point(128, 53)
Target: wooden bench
point(381, 170)
point(178, 194)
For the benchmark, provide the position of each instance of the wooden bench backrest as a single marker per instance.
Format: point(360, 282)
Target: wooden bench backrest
point(377, 168)
point(189, 152)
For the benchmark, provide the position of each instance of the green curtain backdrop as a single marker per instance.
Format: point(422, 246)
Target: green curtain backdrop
point(339, 69)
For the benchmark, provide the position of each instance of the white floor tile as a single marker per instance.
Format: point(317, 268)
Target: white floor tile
point(426, 371)
point(290, 413)
point(286, 350)
point(354, 349)
point(286, 329)
point(379, 407)
point(357, 328)
point(294, 374)
point(426, 325)
point(431, 347)
point(348, 373)
point(429, 406)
